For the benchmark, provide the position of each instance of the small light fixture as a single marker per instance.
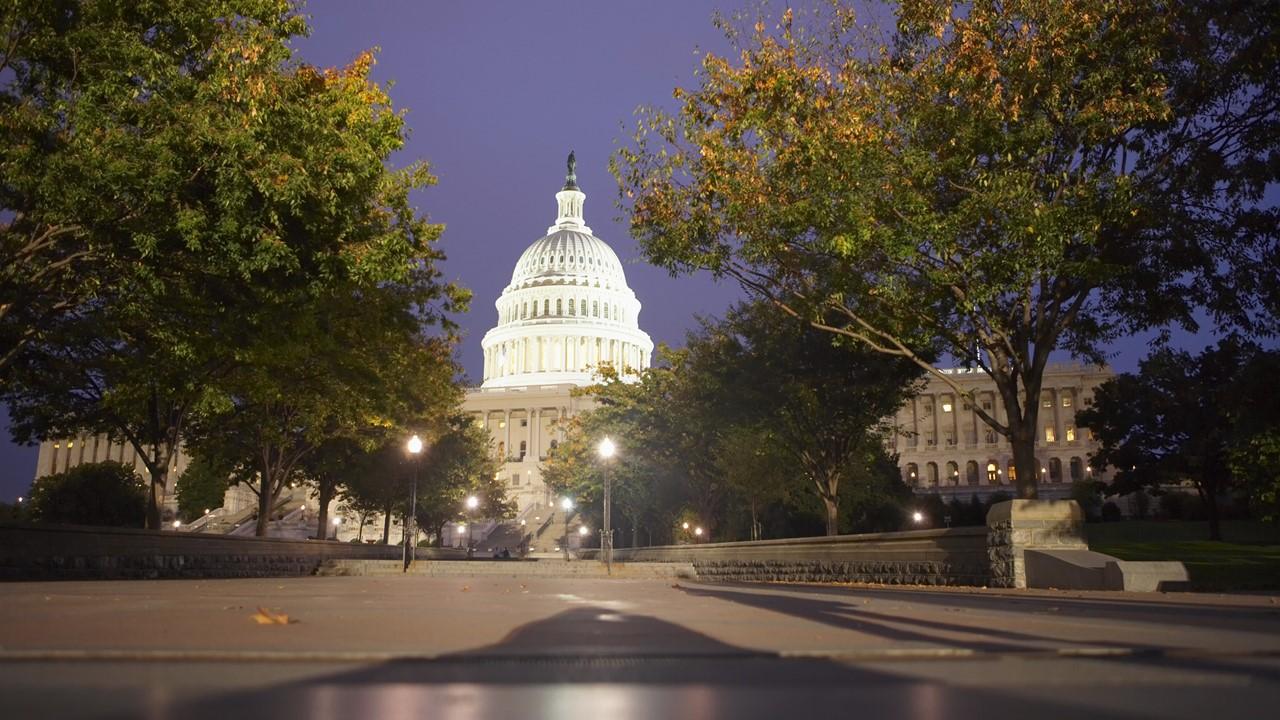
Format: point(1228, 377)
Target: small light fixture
point(337, 522)
point(177, 524)
point(697, 531)
point(566, 503)
point(685, 526)
point(522, 522)
point(582, 530)
point(415, 445)
point(606, 448)
point(473, 502)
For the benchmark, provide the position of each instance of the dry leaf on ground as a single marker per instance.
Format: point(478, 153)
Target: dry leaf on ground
point(266, 617)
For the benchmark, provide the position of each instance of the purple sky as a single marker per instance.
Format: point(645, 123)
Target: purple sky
point(497, 93)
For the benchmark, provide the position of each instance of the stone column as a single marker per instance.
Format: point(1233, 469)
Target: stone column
point(1015, 526)
point(506, 444)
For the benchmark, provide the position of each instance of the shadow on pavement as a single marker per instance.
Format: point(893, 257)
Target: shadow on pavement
point(1219, 616)
point(590, 662)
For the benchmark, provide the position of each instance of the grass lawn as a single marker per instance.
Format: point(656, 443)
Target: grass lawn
point(1248, 558)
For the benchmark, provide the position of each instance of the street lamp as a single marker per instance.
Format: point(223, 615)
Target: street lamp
point(337, 522)
point(917, 517)
point(473, 502)
point(414, 447)
point(606, 450)
point(566, 504)
point(698, 532)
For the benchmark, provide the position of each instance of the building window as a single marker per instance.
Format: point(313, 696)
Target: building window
point(930, 440)
point(1071, 433)
point(971, 472)
point(524, 448)
point(1066, 400)
point(1046, 402)
point(1049, 434)
point(524, 423)
point(1055, 470)
point(928, 407)
point(1077, 469)
point(913, 473)
point(991, 437)
point(524, 310)
point(546, 306)
point(946, 405)
point(953, 473)
point(950, 438)
point(515, 478)
point(986, 405)
point(559, 306)
point(595, 308)
point(993, 473)
point(932, 478)
point(571, 306)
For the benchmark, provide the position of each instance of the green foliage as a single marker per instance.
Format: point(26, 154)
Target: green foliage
point(1247, 559)
point(758, 412)
point(105, 493)
point(998, 181)
point(252, 223)
point(460, 463)
point(1179, 419)
point(202, 486)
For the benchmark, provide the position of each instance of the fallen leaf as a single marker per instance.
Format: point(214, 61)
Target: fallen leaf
point(266, 617)
point(466, 588)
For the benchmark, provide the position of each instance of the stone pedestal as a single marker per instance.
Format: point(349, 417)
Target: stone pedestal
point(1015, 526)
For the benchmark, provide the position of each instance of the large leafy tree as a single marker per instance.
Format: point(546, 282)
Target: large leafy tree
point(460, 462)
point(265, 191)
point(105, 493)
point(101, 126)
point(1175, 420)
point(820, 400)
point(998, 181)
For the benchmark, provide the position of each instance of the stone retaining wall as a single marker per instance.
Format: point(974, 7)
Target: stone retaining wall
point(62, 552)
point(955, 556)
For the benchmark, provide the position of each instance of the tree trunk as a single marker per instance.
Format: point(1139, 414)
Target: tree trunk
point(265, 502)
point(755, 522)
point(386, 524)
point(153, 505)
point(322, 518)
point(832, 504)
point(1023, 440)
point(1210, 499)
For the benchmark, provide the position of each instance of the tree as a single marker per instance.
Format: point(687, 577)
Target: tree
point(820, 401)
point(267, 191)
point(1172, 421)
point(98, 95)
point(105, 493)
point(457, 464)
point(1254, 455)
point(202, 486)
point(995, 181)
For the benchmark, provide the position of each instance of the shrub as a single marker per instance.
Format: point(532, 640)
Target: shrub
point(105, 493)
point(1111, 512)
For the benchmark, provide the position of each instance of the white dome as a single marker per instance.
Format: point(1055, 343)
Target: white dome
point(569, 254)
point(567, 312)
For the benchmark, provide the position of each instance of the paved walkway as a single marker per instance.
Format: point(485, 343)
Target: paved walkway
point(508, 647)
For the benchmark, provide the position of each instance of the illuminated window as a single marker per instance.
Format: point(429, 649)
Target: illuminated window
point(1046, 402)
point(1071, 433)
point(1049, 434)
point(1066, 400)
point(946, 406)
point(993, 473)
point(930, 440)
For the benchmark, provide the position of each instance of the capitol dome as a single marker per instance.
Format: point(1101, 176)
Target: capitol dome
point(568, 311)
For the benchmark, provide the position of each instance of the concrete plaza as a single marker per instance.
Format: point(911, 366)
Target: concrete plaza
point(516, 647)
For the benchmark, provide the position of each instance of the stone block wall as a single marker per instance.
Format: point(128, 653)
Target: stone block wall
point(955, 556)
point(60, 552)
point(1015, 526)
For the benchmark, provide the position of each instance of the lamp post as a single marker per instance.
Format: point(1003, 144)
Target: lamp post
point(473, 502)
point(606, 450)
point(414, 447)
point(566, 504)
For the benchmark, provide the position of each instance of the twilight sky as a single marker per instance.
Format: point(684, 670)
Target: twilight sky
point(497, 93)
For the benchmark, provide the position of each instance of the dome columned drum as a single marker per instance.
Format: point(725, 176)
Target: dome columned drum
point(567, 312)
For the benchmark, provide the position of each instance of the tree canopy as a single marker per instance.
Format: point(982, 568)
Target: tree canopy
point(991, 181)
